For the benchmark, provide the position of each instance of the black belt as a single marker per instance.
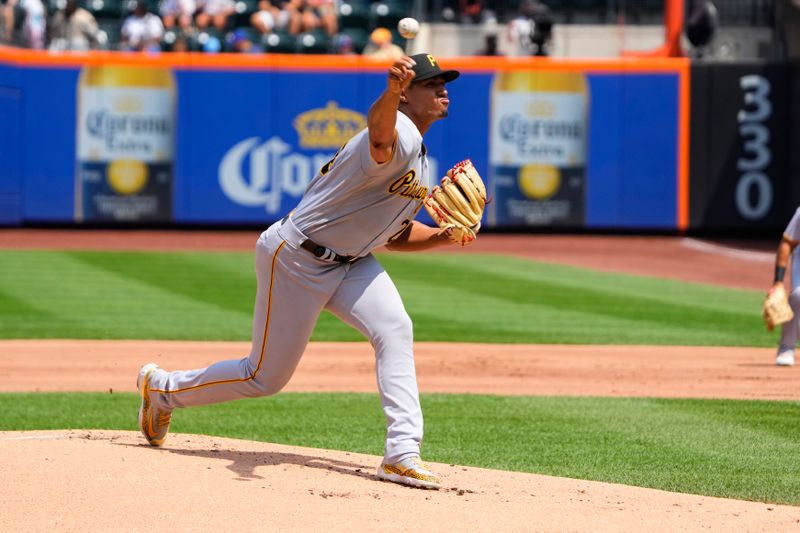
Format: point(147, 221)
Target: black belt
point(326, 253)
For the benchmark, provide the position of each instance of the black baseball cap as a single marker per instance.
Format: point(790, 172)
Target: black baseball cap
point(428, 67)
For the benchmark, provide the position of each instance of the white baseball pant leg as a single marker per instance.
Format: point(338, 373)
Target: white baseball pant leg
point(791, 329)
point(368, 300)
point(293, 288)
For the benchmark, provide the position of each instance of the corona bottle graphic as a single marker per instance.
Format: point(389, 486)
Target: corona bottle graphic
point(537, 151)
point(125, 144)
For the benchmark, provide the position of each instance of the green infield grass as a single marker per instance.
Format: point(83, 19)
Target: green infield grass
point(745, 450)
point(466, 298)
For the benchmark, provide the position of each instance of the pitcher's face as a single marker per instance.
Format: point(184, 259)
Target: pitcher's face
point(428, 99)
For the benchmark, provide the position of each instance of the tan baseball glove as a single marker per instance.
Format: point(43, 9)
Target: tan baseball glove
point(776, 309)
point(457, 204)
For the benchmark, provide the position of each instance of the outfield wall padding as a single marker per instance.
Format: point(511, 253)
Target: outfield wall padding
point(246, 134)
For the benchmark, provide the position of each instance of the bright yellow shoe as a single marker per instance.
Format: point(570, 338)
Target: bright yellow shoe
point(153, 422)
point(410, 471)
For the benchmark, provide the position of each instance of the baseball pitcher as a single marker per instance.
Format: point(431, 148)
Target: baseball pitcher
point(320, 257)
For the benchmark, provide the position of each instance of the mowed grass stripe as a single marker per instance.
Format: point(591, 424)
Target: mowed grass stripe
point(672, 291)
point(516, 299)
point(727, 448)
point(78, 300)
point(568, 287)
point(224, 281)
point(465, 298)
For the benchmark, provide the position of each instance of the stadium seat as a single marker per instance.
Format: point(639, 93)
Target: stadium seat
point(353, 14)
point(169, 38)
point(111, 29)
point(314, 42)
point(208, 40)
point(176, 40)
point(243, 10)
point(105, 9)
point(279, 42)
point(386, 13)
point(54, 6)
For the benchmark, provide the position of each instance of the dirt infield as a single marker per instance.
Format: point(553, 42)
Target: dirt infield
point(95, 480)
point(202, 483)
point(540, 370)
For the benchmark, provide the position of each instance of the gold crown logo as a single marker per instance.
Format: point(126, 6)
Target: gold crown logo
point(328, 127)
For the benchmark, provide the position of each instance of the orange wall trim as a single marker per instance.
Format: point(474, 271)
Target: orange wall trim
point(684, 108)
point(38, 58)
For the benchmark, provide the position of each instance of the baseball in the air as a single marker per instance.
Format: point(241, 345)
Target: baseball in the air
point(408, 28)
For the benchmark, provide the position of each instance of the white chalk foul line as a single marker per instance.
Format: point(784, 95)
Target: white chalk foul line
point(747, 255)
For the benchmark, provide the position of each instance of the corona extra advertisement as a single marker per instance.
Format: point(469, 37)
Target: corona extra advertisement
point(125, 128)
point(537, 155)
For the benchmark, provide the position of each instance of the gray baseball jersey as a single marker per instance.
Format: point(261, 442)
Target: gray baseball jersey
point(354, 216)
point(351, 207)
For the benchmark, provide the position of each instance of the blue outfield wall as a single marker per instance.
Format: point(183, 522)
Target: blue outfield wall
point(246, 142)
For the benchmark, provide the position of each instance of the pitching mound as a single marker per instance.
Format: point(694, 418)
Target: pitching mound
point(108, 480)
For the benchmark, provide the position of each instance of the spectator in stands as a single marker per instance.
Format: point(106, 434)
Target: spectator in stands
point(6, 30)
point(519, 30)
point(142, 30)
point(210, 44)
point(468, 11)
point(380, 46)
point(701, 25)
point(73, 28)
point(181, 44)
point(33, 22)
point(542, 30)
point(530, 32)
point(215, 13)
point(309, 15)
point(471, 11)
point(343, 45)
point(175, 40)
point(270, 17)
point(490, 32)
point(787, 16)
point(178, 13)
point(239, 42)
point(320, 14)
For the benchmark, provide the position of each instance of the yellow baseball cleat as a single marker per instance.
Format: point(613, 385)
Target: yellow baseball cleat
point(410, 471)
point(153, 422)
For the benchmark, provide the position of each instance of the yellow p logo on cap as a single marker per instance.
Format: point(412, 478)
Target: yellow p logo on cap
point(432, 60)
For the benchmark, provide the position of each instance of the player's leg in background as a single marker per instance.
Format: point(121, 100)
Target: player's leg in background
point(289, 298)
point(368, 300)
point(791, 329)
point(789, 332)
